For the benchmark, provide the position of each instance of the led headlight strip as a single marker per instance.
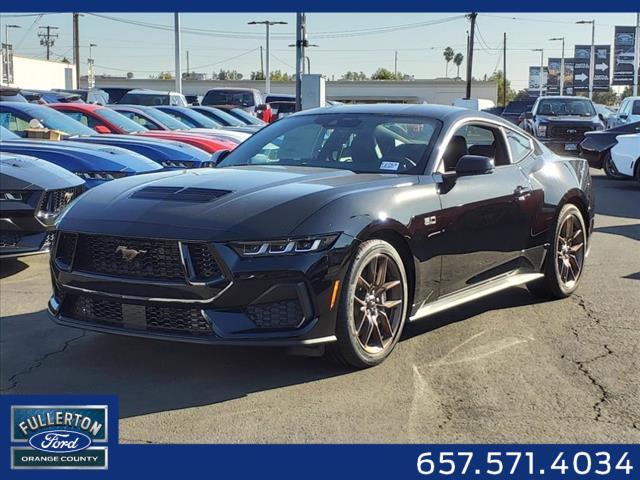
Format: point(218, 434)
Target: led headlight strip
point(280, 247)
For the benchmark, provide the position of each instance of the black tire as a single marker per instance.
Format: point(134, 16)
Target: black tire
point(349, 349)
point(553, 285)
point(609, 168)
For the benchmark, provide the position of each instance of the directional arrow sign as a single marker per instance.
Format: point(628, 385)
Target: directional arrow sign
point(581, 77)
point(602, 66)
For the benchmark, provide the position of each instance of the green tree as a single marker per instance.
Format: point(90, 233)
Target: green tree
point(457, 60)
point(498, 77)
point(605, 98)
point(448, 55)
point(355, 76)
point(626, 93)
point(382, 74)
point(257, 76)
point(165, 76)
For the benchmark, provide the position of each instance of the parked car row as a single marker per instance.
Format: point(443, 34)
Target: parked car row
point(51, 152)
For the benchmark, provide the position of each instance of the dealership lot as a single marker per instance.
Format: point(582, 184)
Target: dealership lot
point(504, 369)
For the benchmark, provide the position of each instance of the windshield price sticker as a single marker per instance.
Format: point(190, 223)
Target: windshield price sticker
point(527, 464)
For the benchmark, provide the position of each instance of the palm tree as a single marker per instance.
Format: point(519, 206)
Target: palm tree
point(448, 56)
point(458, 61)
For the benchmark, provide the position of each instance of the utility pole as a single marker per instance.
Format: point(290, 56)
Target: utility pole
point(91, 74)
point(6, 33)
point(301, 40)
point(561, 63)
point(395, 68)
point(48, 39)
point(472, 17)
point(188, 69)
point(504, 71)
point(268, 24)
point(76, 46)
point(636, 57)
point(178, 66)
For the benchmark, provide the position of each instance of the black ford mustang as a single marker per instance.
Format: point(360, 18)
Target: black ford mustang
point(333, 226)
point(32, 194)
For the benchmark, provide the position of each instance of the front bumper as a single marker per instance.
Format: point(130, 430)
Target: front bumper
point(563, 147)
point(278, 301)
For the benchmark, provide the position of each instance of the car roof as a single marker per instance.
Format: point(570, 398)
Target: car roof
point(78, 106)
point(145, 91)
point(420, 110)
point(234, 89)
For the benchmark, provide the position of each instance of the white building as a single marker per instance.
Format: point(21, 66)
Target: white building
point(30, 73)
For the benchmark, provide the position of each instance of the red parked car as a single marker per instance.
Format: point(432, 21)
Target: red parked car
point(105, 120)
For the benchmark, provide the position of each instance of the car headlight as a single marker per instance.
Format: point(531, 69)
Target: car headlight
point(542, 130)
point(279, 247)
point(14, 196)
point(176, 164)
point(100, 175)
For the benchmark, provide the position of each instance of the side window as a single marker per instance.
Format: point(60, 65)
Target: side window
point(636, 108)
point(519, 145)
point(623, 108)
point(475, 139)
point(13, 123)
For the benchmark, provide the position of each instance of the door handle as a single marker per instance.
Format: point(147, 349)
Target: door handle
point(522, 192)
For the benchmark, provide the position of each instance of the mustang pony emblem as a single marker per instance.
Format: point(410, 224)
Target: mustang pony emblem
point(129, 254)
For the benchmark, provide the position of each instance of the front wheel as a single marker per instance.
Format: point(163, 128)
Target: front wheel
point(565, 258)
point(373, 306)
point(609, 167)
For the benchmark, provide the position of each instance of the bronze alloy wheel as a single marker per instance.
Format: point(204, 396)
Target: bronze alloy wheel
point(570, 251)
point(378, 305)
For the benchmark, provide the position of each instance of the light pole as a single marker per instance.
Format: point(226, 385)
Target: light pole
point(541, 50)
point(91, 76)
point(592, 54)
point(6, 33)
point(307, 59)
point(267, 24)
point(555, 39)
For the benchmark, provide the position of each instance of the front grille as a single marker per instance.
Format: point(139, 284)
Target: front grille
point(203, 261)
point(188, 321)
point(129, 257)
point(9, 239)
point(65, 247)
point(568, 132)
point(49, 240)
point(54, 201)
point(282, 314)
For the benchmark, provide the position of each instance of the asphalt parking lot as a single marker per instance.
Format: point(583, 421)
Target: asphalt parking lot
point(507, 368)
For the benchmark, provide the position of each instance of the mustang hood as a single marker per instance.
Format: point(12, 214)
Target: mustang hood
point(234, 203)
point(83, 157)
point(21, 172)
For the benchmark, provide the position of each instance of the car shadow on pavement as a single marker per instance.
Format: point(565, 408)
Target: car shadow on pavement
point(11, 266)
point(147, 375)
point(510, 298)
point(629, 231)
point(621, 202)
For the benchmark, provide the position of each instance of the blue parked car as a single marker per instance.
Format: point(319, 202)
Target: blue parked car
point(196, 119)
point(95, 164)
point(169, 154)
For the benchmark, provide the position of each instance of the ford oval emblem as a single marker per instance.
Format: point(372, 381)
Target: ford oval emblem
point(60, 441)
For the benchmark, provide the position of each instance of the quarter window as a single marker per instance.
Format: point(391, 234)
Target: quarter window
point(519, 145)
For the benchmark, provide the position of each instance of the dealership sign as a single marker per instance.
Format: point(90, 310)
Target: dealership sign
point(602, 67)
point(623, 53)
point(534, 80)
point(553, 78)
point(569, 64)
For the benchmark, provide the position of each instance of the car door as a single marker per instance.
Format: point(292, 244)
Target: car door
point(483, 221)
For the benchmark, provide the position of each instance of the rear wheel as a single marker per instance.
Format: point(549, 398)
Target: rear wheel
point(609, 167)
point(565, 258)
point(373, 306)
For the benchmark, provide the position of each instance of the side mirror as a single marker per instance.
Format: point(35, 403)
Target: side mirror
point(102, 129)
point(217, 157)
point(474, 165)
point(623, 116)
point(528, 115)
point(601, 117)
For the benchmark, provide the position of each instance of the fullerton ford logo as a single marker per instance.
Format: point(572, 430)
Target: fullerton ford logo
point(129, 254)
point(58, 436)
point(60, 441)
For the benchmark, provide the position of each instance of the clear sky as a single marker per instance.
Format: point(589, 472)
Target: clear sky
point(361, 42)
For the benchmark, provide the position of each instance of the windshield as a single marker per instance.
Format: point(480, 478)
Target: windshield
point(566, 106)
point(7, 134)
point(55, 120)
point(518, 107)
point(167, 120)
point(246, 117)
point(119, 120)
point(149, 99)
point(220, 116)
point(193, 118)
point(356, 142)
point(229, 97)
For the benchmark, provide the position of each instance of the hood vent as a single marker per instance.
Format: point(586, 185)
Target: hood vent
point(180, 194)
